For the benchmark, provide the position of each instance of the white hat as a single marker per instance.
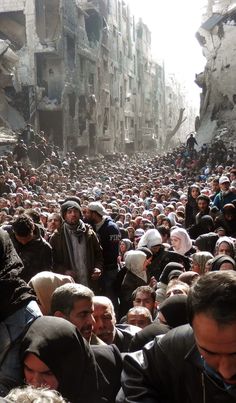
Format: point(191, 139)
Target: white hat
point(152, 237)
point(223, 179)
point(98, 208)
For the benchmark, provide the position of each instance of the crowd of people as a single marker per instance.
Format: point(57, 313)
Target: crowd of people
point(117, 274)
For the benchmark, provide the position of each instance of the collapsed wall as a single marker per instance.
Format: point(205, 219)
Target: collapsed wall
point(217, 36)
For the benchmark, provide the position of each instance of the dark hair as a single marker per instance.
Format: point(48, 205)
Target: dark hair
point(163, 230)
point(204, 197)
point(145, 289)
point(34, 214)
point(214, 294)
point(23, 225)
point(64, 297)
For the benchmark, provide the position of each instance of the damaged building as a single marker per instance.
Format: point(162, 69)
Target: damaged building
point(217, 37)
point(82, 72)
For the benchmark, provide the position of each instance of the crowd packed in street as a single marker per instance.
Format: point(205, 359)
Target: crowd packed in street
point(117, 274)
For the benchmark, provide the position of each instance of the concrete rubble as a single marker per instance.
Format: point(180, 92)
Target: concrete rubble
point(83, 72)
point(217, 37)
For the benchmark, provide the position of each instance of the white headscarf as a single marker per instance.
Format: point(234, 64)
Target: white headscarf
point(134, 261)
point(184, 237)
point(152, 237)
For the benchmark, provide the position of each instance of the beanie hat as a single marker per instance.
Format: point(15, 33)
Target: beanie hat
point(69, 205)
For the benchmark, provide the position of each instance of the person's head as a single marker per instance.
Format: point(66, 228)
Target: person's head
point(224, 183)
point(212, 314)
point(125, 245)
point(55, 355)
point(139, 316)
point(136, 262)
point(180, 240)
point(145, 296)
point(23, 228)
point(54, 222)
point(152, 240)
point(229, 212)
point(95, 212)
point(215, 185)
point(222, 262)
point(165, 233)
point(105, 319)
point(225, 246)
point(31, 394)
point(194, 191)
point(71, 212)
point(74, 302)
point(199, 260)
point(203, 202)
point(176, 287)
point(44, 284)
point(173, 311)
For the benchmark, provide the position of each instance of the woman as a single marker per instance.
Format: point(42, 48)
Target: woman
point(44, 284)
point(191, 208)
point(222, 262)
point(225, 246)
point(125, 246)
point(136, 264)
point(54, 354)
point(199, 260)
point(181, 242)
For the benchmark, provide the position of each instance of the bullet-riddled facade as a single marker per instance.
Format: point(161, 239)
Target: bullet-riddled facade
point(83, 74)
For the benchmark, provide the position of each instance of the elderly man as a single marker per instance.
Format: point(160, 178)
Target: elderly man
point(76, 249)
point(194, 363)
point(225, 195)
point(105, 325)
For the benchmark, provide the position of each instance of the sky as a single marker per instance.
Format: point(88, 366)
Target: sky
point(173, 24)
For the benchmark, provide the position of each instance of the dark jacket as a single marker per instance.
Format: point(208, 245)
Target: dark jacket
point(109, 237)
point(129, 284)
point(162, 258)
point(123, 336)
point(109, 367)
point(36, 256)
point(61, 259)
point(170, 370)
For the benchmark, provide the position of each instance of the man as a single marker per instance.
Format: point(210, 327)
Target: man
point(145, 296)
point(191, 364)
point(203, 204)
point(225, 196)
point(34, 251)
point(76, 249)
point(139, 316)
point(191, 142)
point(109, 236)
point(74, 302)
point(105, 325)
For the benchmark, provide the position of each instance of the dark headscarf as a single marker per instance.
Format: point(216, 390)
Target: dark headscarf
point(14, 292)
point(58, 343)
point(174, 310)
point(219, 260)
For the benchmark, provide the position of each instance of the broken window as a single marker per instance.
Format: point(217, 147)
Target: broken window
point(70, 47)
point(49, 73)
point(47, 19)
point(72, 101)
point(12, 27)
point(93, 26)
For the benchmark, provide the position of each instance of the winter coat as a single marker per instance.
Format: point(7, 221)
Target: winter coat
point(61, 259)
point(170, 370)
